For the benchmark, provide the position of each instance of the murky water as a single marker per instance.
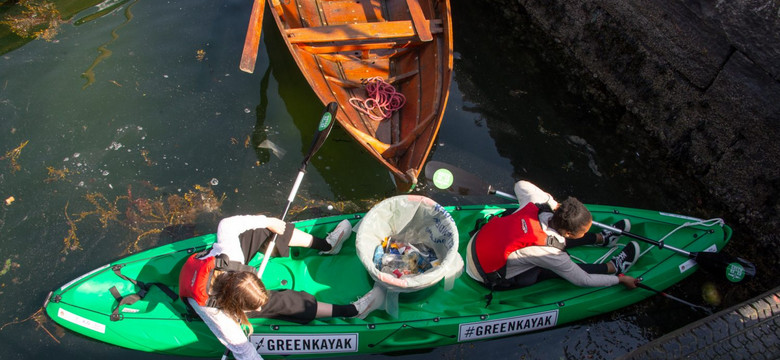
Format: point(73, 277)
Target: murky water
point(134, 118)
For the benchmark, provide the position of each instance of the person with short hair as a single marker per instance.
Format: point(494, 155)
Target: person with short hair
point(528, 246)
point(225, 292)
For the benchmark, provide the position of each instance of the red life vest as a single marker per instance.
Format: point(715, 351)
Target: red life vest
point(195, 277)
point(196, 274)
point(504, 235)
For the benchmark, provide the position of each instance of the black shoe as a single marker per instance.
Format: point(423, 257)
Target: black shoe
point(627, 257)
point(610, 237)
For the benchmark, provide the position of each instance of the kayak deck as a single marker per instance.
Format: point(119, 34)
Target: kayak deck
point(427, 318)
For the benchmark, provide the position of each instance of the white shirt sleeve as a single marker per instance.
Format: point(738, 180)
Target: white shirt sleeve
point(227, 331)
point(559, 262)
point(228, 231)
point(527, 192)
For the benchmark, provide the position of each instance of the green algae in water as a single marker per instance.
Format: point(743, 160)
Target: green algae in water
point(6, 267)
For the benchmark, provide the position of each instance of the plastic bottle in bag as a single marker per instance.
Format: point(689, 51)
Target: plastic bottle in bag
point(418, 262)
point(378, 253)
point(396, 264)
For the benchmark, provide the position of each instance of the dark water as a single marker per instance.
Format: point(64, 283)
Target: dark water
point(135, 117)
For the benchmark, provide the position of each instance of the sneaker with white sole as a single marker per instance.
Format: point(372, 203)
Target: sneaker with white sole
point(627, 257)
point(336, 237)
point(611, 237)
point(371, 301)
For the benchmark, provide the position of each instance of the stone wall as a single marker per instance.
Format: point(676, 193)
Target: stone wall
point(700, 77)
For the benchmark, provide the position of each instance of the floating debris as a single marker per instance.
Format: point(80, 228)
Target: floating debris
point(145, 154)
point(6, 267)
point(144, 216)
point(317, 206)
point(13, 156)
point(37, 18)
point(9, 200)
point(275, 149)
point(710, 294)
point(41, 319)
point(56, 174)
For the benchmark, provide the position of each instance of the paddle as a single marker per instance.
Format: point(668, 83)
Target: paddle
point(451, 178)
point(735, 269)
point(252, 40)
point(698, 307)
point(323, 130)
point(326, 124)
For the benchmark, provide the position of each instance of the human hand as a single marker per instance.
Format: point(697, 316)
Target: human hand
point(628, 281)
point(276, 225)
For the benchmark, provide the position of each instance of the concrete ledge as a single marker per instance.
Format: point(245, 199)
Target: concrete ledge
point(745, 331)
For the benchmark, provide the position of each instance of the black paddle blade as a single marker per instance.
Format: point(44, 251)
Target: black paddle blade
point(450, 178)
point(735, 269)
point(327, 120)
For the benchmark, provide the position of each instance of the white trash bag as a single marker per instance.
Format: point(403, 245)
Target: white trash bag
point(412, 219)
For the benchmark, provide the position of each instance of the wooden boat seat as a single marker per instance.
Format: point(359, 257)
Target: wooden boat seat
point(361, 31)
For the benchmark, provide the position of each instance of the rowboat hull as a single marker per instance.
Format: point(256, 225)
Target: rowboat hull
point(428, 318)
point(338, 45)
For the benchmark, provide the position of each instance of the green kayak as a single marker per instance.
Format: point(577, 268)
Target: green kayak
point(111, 304)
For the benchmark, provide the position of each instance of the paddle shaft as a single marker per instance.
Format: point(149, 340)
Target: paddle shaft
point(643, 286)
point(642, 238)
point(326, 124)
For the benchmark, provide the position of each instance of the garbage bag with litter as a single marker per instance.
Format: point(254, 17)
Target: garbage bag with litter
point(409, 243)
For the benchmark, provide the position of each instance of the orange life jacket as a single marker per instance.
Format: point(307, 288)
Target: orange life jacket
point(504, 235)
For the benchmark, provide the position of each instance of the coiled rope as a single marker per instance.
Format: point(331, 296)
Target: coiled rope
point(381, 101)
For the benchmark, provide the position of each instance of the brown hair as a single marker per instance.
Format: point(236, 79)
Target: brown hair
point(570, 216)
point(237, 292)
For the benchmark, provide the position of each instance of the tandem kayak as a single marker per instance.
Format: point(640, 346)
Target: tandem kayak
point(132, 303)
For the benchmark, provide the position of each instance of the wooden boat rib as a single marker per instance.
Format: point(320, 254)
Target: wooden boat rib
point(338, 45)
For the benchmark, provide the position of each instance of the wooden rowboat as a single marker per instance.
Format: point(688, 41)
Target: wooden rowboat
point(340, 45)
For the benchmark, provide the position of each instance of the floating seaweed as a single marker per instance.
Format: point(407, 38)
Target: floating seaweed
point(315, 207)
point(145, 216)
point(7, 266)
point(56, 174)
point(105, 52)
point(37, 19)
point(13, 156)
point(145, 154)
point(41, 319)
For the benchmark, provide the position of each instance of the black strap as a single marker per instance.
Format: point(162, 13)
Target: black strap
point(223, 262)
point(491, 280)
point(133, 298)
point(551, 240)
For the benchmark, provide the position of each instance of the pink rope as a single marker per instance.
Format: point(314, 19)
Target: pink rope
point(382, 99)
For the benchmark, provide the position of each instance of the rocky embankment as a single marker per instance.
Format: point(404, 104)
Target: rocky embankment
point(701, 79)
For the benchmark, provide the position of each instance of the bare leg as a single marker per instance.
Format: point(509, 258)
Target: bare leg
point(324, 310)
point(301, 239)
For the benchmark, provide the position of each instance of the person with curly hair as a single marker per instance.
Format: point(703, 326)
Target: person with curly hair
point(529, 245)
